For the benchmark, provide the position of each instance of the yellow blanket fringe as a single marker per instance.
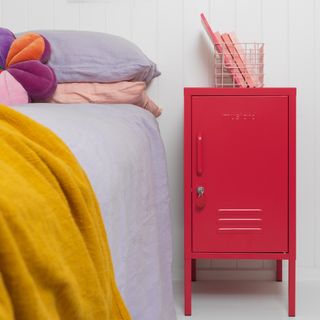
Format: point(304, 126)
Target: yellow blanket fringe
point(55, 261)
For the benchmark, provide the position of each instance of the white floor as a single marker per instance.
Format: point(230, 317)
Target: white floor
point(239, 300)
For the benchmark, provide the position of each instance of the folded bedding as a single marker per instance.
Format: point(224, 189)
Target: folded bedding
point(54, 257)
point(123, 92)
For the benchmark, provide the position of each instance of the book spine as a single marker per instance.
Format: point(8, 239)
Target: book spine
point(233, 59)
point(244, 68)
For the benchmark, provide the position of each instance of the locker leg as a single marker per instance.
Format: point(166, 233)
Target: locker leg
point(194, 270)
point(187, 287)
point(292, 287)
point(279, 270)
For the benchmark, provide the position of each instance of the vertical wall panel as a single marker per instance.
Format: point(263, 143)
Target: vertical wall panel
point(144, 33)
point(170, 58)
point(249, 20)
point(275, 36)
point(1, 13)
point(223, 15)
point(40, 14)
point(66, 15)
point(196, 53)
point(317, 131)
point(119, 18)
point(93, 17)
point(15, 15)
point(144, 26)
point(301, 73)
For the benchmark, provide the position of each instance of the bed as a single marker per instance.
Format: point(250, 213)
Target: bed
point(121, 150)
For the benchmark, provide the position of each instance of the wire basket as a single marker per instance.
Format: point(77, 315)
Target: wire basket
point(239, 65)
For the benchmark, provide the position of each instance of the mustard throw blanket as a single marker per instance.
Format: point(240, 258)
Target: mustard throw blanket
point(54, 257)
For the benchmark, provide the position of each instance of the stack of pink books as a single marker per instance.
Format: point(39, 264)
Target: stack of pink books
point(233, 55)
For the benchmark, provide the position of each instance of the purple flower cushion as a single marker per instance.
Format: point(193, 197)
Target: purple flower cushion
point(6, 38)
point(23, 58)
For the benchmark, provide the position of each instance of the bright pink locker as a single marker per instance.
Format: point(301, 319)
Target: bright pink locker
point(239, 178)
point(243, 146)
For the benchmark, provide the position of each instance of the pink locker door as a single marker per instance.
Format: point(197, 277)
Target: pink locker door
point(240, 173)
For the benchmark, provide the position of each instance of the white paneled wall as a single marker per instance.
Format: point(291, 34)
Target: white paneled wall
point(316, 115)
point(170, 33)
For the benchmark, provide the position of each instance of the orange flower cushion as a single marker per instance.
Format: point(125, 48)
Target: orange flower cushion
point(31, 46)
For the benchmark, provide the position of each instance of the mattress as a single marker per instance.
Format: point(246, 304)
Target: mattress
point(121, 150)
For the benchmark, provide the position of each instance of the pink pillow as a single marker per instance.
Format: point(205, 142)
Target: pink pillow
point(117, 92)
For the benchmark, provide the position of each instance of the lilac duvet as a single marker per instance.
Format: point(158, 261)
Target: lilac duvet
point(120, 148)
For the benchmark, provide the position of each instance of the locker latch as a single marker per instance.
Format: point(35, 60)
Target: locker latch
point(201, 199)
point(200, 191)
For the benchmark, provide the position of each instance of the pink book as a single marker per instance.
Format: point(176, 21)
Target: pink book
point(237, 59)
point(217, 41)
point(242, 60)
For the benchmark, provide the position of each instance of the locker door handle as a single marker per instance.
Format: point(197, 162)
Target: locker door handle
point(199, 154)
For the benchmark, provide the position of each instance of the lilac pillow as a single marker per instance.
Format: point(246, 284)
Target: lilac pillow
point(84, 56)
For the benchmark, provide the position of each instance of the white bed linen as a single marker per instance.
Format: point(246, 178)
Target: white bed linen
point(120, 148)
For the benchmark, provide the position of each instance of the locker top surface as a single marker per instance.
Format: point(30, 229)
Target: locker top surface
point(192, 91)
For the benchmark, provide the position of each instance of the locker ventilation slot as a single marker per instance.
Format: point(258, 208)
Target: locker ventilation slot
point(241, 209)
point(239, 220)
